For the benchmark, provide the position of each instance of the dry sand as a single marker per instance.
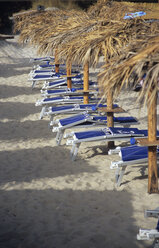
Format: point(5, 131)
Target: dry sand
point(48, 201)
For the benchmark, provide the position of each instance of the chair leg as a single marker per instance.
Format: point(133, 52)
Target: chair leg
point(51, 123)
point(156, 243)
point(75, 151)
point(59, 137)
point(119, 175)
point(42, 113)
point(33, 84)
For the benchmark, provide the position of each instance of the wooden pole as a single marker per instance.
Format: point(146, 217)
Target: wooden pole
point(86, 83)
point(110, 121)
point(69, 81)
point(152, 150)
point(56, 62)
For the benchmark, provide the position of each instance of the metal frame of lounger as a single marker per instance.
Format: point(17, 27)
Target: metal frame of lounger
point(150, 234)
point(120, 166)
point(84, 120)
point(105, 134)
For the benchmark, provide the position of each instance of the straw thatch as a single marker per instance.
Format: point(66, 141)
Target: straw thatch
point(105, 38)
point(140, 57)
point(117, 10)
point(127, 45)
point(98, 36)
point(40, 27)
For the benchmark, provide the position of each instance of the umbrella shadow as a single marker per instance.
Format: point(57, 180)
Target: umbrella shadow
point(25, 165)
point(9, 70)
point(67, 218)
point(25, 130)
point(9, 110)
point(12, 91)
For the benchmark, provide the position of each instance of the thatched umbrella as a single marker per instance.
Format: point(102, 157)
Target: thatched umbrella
point(65, 34)
point(141, 55)
point(34, 26)
point(97, 37)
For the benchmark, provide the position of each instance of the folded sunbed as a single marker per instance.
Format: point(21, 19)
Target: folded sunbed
point(65, 109)
point(129, 156)
point(105, 134)
point(86, 120)
point(150, 234)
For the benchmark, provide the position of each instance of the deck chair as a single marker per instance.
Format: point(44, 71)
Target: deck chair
point(57, 100)
point(76, 82)
point(86, 120)
point(48, 71)
point(129, 156)
point(46, 77)
point(67, 91)
point(42, 59)
point(66, 109)
point(103, 134)
point(150, 234)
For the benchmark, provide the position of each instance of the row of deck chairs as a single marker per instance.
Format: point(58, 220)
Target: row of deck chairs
point(85, 116)
point(58, 99)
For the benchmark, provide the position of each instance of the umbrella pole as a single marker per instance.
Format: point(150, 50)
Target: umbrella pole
point(56, 62)
point(69, 81)
point(110, 121)
point(152, 150)
point(86, 83)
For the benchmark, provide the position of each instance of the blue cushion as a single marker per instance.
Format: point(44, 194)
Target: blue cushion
point(72, 119)
point(126, 119)
point(134, 152)
point(57, 83)
point(52, 99)
point(60, 108)
point(44, 66)
point(55, 91)
point(89, 134)
point(39, 71)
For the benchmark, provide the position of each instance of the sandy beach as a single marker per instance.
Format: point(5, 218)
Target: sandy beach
point(49, 201)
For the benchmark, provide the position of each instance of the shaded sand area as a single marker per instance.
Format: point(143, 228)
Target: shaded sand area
point(48, 201)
